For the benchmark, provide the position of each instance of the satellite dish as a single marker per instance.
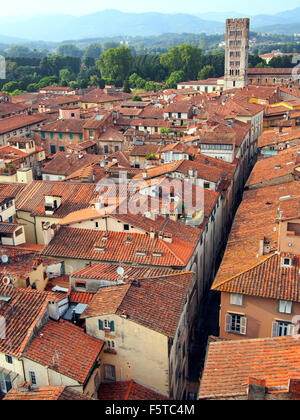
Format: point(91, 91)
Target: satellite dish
point(120, 271)
point(6, 280)
point(4, 259)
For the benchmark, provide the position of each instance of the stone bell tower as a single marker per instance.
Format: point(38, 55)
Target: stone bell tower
point(236, 54)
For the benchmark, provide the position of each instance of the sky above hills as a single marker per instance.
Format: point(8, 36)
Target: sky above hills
point(78, 7)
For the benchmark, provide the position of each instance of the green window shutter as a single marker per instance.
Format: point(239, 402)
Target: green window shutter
point(51, 136)
point(112, 326)
point(60, 136)
point(100, 325)
point(80, 137)
point(71, 136)
point(43, 135)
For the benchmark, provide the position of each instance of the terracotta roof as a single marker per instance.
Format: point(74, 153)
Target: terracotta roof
point(112, 135)
point(227, 167)
point(144, 123)
point(81, 297)
point(50, 393)
point(82, 244)
point(275, 167)
point(64, 163)
point(152, 112)
point(210, 81)
point(74, 197)
point(230, 364)
point(29, 306)
point(267, 279)
point(86, 214)
point(272, 71)
point(255, 220)
point(145, 150)
point(77, 351)
point(156, 303)
point(269, 137)
point(289, 208)
point(127, 391)
point(109, 272)
point(180, 106)
point(9, 227)
point(19, 121)
point(64, 126)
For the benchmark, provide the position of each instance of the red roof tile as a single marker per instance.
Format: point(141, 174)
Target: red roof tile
point(154, 303)
point(74, 351)
point(127, 391)
point(230, 364)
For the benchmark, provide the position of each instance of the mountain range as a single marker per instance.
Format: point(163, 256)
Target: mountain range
point(59, 27)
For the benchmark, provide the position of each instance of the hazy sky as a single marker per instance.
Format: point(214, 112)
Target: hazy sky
point(79, 7)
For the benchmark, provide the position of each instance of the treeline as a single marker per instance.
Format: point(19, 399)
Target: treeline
point(117, 65)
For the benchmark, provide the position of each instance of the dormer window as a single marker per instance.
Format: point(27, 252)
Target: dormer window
point(287, 262)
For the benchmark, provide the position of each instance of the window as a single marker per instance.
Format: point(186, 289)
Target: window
point(80, 285)
point(43, 135)
point(110, 372)
point(32, 378)
point(236, 299)
point(106, 325)
point(236, 324)
point(96, 225)
point(126, 228)
point(285, 307)
point(287, 262)
point(111, 345)
point(105, 149)
point(80, 137)
point(60, 136)
point(282, 329)
point(116, 148)
point(8, 359)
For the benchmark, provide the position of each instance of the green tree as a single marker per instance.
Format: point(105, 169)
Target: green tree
point(115, 64)
point(10, 87)
point(110, 44)
point(93, 50)
point(94, 81)
point(175, 78)
point(152, 86)
point(186, 58)
point(207, 72)
point(69, 50)
point(65, 76)
point(137, 98)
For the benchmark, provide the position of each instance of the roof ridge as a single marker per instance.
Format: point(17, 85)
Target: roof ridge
point(245, 271)
point(127, 393)
point(171, 251)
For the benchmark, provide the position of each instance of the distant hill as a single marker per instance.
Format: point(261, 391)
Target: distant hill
point(108, 23)
point(264, 22)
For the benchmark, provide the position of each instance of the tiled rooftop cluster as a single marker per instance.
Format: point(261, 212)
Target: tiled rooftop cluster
point(109, 303)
